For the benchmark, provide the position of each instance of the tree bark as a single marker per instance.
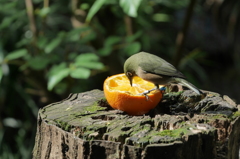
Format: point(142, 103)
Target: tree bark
point(183, 126)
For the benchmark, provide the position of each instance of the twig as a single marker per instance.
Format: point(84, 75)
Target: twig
point(128, 24)
point(181, 37)
point(46, 3)
point(29, 7)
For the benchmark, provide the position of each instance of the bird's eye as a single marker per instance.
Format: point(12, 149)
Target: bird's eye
point(129, 74)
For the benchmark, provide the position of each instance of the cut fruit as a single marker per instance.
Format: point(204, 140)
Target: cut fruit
point(120, 95)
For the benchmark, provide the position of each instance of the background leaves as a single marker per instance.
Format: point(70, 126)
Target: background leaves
point(130, 7)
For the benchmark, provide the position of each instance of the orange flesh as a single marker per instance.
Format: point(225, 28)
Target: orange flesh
point(120, 95)
point(121, 83)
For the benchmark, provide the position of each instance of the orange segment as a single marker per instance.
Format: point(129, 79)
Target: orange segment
point(120, 95)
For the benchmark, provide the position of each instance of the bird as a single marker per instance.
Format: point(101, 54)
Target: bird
point(156, 70)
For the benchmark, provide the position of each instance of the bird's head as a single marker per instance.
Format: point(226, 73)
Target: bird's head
point(130, 69)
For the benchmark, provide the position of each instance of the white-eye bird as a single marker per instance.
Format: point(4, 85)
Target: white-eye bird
point(156, 70)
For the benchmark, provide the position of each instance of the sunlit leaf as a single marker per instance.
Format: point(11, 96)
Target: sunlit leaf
point(87, 57)
point(57, 68)
point(84, 6)
point(95, 8)
point(16, 54)
point(80, 73)
point(130, 7)
point(12, 122)
point(56, 74)
point(88, 60)
point(44, 11)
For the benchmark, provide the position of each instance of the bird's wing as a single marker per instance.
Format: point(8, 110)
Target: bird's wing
point(159, 66)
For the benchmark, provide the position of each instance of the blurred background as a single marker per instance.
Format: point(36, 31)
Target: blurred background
point(49, 49)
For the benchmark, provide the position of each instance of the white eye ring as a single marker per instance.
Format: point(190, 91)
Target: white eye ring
point(129, 74)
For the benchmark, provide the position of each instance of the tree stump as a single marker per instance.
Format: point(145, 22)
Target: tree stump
point(182, 126)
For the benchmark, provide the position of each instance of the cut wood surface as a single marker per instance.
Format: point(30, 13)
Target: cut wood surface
point(183, 125)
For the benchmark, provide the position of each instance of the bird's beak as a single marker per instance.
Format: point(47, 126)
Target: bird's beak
point(130, 80)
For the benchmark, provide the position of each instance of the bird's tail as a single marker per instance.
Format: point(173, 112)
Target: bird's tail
point(188, 84)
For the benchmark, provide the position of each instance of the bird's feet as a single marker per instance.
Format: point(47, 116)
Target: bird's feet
point(162, 89)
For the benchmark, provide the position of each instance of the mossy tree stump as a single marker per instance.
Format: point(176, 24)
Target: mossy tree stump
point(183, 126)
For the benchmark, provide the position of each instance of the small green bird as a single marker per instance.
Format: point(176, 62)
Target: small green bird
point(154, 69)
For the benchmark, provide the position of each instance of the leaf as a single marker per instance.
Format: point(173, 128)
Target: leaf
point(44, 12)
point(72, 56)
point(53, 44)
point(91, 65)
point(193, 55)
point(12, 122)
point(160, 17)
point(112, 40)
point(6, 22)
point(134, 36)
point(94, 9)
point(75, 34)
point(87, 37)
point(39, 62)
point(5, 69)
point(108, 45)
point(16, 54)
point(105, 51)
point(130, 7)
point(56, 74)
point(42, 42)
point(132, 48)
point(80, 73)
point(1, 74)
point(88, 60)
point(84, 6)
point(87, 57)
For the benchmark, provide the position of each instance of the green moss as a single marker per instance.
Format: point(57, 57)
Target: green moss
point(63, 125)
point(173, 133)
point(93, 108)
point(172, 94)
point(219, 116)
point(235, 115)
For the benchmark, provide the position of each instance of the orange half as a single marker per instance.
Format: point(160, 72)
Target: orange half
point(120, 95)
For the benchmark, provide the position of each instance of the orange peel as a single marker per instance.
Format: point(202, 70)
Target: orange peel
point(122, 96)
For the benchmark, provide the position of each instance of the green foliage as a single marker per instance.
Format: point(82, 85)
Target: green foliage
point(94, 9)
point(56, 74)
point(16, 54)
point(130, 7)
